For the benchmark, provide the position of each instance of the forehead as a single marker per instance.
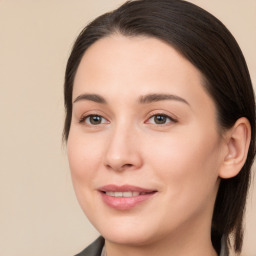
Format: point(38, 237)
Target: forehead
point(133, 65)
point(117, 52)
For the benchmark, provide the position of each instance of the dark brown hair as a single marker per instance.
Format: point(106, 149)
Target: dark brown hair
point(209, 46)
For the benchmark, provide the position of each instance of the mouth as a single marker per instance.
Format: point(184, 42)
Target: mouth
point(125, 197)
point(126, 193)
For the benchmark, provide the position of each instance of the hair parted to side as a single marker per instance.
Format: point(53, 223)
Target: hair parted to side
point(209, 46)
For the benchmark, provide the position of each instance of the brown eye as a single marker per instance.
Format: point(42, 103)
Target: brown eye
point(94, 120)
point(160, 119)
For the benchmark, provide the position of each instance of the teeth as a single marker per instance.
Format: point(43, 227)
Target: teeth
point(127, 194)
point(123, 194)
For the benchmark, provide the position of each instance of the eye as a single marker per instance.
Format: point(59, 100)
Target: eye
point(161, 119)
point(93, 120)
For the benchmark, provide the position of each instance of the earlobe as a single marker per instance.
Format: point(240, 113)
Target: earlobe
point(237, 143)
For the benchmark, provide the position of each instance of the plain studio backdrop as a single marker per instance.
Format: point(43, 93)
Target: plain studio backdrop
point(39, 214)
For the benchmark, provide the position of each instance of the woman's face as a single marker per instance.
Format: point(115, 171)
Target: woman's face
point(144, 147)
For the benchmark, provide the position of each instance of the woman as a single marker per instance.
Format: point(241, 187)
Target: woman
point(160, 129)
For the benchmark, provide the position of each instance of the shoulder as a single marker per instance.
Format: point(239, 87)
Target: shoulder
point(93, 249)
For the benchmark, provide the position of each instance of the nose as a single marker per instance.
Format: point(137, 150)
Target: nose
point(122, 150)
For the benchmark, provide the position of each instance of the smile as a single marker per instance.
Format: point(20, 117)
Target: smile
point(125, 197)
point(124, 194)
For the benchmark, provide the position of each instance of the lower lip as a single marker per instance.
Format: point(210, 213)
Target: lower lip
point(125, 203)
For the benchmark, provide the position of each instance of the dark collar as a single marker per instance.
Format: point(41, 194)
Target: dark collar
point(93, 249)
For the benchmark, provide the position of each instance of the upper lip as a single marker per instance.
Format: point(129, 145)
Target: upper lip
point(124, 188)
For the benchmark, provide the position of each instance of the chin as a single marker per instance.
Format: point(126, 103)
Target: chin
point(128, 239)
point(128, 236)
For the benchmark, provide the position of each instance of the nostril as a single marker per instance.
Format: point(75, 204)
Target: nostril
point(120, 161)
point(125, 166)
point(119, 167)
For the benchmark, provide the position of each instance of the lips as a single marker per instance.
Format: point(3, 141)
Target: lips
point(125, 197)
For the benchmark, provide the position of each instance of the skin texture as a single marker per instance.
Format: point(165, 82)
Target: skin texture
point(181, 158)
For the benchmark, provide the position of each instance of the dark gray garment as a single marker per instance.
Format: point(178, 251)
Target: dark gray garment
point(93, 249)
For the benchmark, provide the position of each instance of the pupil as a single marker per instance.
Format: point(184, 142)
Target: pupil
point(95, 119)
point(160, 119)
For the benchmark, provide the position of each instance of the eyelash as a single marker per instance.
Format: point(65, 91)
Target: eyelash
point(154, 116)
point(161, 115)
point(84, 118)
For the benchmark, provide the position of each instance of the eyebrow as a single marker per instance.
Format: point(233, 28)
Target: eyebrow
point(149, 98)
point(91, 97)
point(145, 99)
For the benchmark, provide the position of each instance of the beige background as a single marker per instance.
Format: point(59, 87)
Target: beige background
point(39, 214)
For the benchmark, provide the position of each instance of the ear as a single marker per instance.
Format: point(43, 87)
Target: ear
point(237, 141)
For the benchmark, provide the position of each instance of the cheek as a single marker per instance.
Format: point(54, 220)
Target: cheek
point(187, 168)
point(84, 157)
point(187, 163)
